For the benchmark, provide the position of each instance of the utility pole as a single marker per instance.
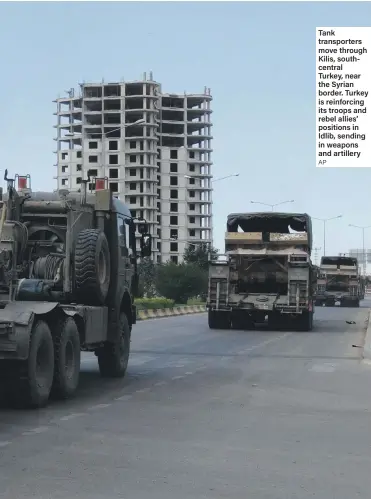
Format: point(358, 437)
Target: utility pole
point(316, 250)
point(325, 220)
point(364, 260)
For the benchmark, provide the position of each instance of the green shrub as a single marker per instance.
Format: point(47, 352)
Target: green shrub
point(195, 301)
point(153, 303)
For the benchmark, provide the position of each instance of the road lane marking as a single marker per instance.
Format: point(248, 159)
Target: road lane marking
point(189, 373)
point(36, 431)
point(123, 398)
point(98, 406)
point(264, 343)
point(143, 390)
point(5, 444)
point(72, 416)
point(140, 361)
point(323, 368)
point(160, 383)
point(176, 377)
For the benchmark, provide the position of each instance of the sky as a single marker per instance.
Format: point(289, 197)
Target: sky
point(257, 58)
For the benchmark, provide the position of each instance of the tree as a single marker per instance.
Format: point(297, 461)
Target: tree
point(147, 275)
point(181, 282)
point(199, 254)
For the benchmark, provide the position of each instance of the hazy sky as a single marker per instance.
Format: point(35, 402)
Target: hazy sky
point(257, 58)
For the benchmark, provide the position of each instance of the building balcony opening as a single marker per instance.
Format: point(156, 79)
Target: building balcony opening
point(112, 91)
point(133, 89)
point(112, 105)
point(134, 104)
point(172, 115)
point(174, 102)
point(93, 106)
point(174, 142)
point(92, 92)
point(172, 129)
point(112, 119)
point(93, 119)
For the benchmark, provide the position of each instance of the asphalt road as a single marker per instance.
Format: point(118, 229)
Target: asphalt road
point(206, 414)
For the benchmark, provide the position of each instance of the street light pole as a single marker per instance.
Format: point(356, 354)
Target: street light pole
point(363, 228)
point(325, 220)
point(272, 205)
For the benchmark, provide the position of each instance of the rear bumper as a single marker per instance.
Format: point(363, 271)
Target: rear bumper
point(249, 308)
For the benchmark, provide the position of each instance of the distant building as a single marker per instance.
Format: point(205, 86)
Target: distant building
point(153, 148)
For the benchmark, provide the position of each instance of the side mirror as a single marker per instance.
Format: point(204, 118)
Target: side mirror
point(146, 245)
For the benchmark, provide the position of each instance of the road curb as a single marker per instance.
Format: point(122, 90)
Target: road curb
point(143, 315)
point(367, 345)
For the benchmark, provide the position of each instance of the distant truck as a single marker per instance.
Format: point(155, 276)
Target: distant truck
point(339, 281)
point(266, 271)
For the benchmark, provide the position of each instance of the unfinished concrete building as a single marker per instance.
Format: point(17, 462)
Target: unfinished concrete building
point(152, 149)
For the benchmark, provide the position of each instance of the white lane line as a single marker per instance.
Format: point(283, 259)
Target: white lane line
point(98, 406)
point(201, 368)
point(36, 431)
point(5, 444)
point(177, 377)
point(72, 416)
point(160, 383)
point(323, 368)
point(264, 343)
point(189, 373)
point(143, 390)
point(140, 361)
point(123, 398)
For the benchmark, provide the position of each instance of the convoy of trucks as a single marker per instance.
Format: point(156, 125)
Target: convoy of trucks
point(68, 276)
point(266, 273)
point(339, 281)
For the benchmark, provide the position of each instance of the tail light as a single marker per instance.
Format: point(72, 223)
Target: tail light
point(23, 182)
point(101, 183)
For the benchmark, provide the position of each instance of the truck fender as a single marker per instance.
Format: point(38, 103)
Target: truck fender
point(16, 321)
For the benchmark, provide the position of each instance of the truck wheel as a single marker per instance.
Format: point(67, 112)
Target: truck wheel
point(113, 358)
point(92, 267)
point(67, 357)
point(35, 375)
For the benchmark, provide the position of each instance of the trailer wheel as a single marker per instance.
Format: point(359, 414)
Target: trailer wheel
point(67, 358)
point(34, 377)
point(92, 267)
point(113, 358)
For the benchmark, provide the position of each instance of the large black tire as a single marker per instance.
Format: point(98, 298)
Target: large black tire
point(113, 358)
point(67, 357)
point(219, 320)
point(92, 267)
point(34, 377)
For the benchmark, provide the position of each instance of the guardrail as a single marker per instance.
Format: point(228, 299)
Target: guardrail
point(169, 312)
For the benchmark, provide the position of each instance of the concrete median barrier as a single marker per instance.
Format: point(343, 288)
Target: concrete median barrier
point(169, 312)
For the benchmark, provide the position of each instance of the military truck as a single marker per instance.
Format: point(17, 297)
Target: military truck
point(339, 281)
point(68, 276)
point(266, 272)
